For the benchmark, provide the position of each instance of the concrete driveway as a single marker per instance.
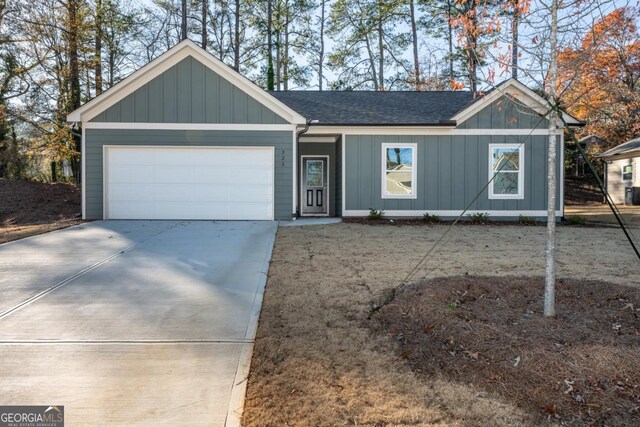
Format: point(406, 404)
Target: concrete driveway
point(133, 322)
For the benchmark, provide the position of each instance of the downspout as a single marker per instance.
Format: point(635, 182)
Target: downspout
point(298, 169)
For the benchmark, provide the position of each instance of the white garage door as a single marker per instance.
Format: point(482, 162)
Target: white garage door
point(189, 183)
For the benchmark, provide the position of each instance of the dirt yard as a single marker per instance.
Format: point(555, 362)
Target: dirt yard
point(28, 208)
point(317, 361)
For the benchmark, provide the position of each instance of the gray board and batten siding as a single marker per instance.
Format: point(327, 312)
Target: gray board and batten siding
point(189, 92)
point(505, 113)
point(451, 171)
point(97, 138)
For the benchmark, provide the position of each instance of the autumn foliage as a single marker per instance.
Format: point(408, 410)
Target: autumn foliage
point(598, 80)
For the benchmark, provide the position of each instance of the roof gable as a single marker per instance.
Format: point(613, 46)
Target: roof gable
point(519, 94)
point(185, 54)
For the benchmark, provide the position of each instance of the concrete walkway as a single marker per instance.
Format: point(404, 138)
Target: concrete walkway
point(133, 322)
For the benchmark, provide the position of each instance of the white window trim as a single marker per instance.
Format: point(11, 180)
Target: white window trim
point(520, 195)
point(414, 172)
point(622, 173)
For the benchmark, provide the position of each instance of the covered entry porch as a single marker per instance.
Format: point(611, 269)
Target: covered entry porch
point(319, 175)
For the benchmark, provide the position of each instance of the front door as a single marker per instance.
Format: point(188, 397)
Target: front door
point(314, 186)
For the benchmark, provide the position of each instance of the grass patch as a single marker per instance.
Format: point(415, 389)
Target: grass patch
point(576, 220)
point(579, 368)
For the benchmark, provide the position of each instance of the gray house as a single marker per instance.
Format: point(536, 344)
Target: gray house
point(621, 172)
point(187, 137)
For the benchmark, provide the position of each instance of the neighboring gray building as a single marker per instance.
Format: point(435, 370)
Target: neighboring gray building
point(621, 172)
point(187, 137)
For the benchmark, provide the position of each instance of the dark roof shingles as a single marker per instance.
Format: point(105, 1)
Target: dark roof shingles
point(376, 108)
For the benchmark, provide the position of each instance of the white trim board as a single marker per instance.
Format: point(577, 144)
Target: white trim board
point(83, 173)
point(417, 130)
point(167, 60)
point(451, 213)
point(188, 126)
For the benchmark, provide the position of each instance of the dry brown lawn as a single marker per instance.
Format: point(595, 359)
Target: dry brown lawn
point(317, 361)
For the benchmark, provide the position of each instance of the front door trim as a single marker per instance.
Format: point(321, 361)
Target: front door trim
point(301, 182)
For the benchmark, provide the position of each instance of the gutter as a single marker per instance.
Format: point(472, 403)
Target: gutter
point(298, 134)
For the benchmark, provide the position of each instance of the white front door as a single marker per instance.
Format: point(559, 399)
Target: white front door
point(189, 183)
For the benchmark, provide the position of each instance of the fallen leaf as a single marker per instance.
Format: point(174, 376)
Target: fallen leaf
point(570, 385)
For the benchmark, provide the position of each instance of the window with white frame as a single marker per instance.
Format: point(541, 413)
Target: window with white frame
point(399, 171)
point(506, 171)
point(627, 172)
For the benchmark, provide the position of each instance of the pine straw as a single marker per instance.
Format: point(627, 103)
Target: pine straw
point(582, 367)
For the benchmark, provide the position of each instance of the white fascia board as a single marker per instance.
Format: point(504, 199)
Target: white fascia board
point(167, 60)
point(188, 126)
point(416, 130)
point(519, 92)
point(451, 213)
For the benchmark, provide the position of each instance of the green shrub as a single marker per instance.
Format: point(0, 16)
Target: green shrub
point(427, 217)
point(576, 220)
point(526, 220)
point(479, 218)
point(376, 214)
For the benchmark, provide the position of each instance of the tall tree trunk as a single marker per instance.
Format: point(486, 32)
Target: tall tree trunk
point(205, 11)
point(98, 48)
point(285, 59)
point(270, 79)
point(74, 77)
point(450, 40)
point(380, 50)
point(183, 26)
point(236, 37)
point(321, 53)
point(550, 270)
point(472, 47)
point(514, 40)
point(278, 59)
point(372, 62)
point(414, 34)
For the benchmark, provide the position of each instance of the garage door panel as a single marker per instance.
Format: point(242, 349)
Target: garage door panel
point(190, 183)
point(129, 193)
point(126, 174)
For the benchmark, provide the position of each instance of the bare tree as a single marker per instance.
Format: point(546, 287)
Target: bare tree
point(550, 266)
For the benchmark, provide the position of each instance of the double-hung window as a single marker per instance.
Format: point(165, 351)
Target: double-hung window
point(627, 172)
point(399, 173)
point(506, 171)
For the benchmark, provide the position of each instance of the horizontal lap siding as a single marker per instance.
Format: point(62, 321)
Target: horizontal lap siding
point(452, 171)
point(280, 140)
point(189, 92)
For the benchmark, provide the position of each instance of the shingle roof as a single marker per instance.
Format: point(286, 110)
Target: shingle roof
point(376, 108)
point(627, 147)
